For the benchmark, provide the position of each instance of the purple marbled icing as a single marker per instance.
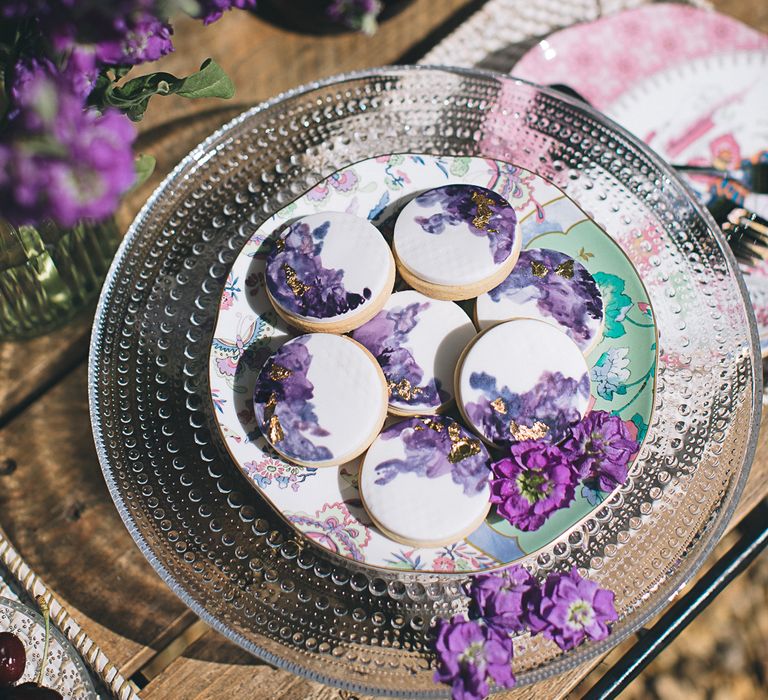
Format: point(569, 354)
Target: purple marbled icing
point(386, 336)
point(427, 451)
point(573, 302)
point(550, 401)
point(293, 395)
point(298, 248)
point(458, 207)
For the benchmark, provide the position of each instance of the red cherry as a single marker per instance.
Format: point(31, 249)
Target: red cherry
point(13, 658)
point(29, 691)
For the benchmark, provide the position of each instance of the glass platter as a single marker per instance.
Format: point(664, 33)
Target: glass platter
point(222, 548)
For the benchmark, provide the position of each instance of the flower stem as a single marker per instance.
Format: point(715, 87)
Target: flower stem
point(46, 611)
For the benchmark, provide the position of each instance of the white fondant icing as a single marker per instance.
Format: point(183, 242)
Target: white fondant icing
point(348, 397)
point(412, 506)
point(454, 257)
point(513, 358)
point(434, 333)
point(356, 247)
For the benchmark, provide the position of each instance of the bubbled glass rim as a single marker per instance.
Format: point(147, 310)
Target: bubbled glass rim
point(667, 590)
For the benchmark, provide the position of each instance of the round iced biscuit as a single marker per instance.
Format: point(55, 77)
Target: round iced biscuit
point(320, 399)
point(456, 242)
point(329, 272)
point(549, 286)
point(424, 481)
point(522, 380)
point(417, 341)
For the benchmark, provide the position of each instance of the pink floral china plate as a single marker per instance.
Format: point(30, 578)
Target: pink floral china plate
point(323, 503)
point(602, 59)
point(709, 111)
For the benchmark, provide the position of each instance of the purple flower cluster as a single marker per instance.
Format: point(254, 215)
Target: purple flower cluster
point(538, 478)
point(119, 32)
point(599, 449)
point(355, 14)
point(573, 608)
point(470, 655)
point(211, 10)
point(60, 156)
point(58, 159)
point(474, 656)
point(532, 483)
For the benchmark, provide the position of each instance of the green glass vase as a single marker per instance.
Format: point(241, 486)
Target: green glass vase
point(48, 273)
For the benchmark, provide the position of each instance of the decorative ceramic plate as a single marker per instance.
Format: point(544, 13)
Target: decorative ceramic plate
point(604, 58)
point(324, 504)
point(710, 110)
point(64, 671)
point(226, 550)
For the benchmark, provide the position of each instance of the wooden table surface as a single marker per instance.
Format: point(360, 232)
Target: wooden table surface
point(54, 504)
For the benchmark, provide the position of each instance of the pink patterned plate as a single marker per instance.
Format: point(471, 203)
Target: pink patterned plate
point(602, 59)
point(710, 110)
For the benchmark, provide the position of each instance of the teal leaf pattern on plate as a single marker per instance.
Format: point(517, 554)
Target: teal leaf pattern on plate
point(617, 304)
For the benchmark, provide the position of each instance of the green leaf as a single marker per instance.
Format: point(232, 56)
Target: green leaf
point(133, 97)
point(145, 166)
point(209, 81)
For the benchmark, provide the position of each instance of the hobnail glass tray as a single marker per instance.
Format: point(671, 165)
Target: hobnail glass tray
point(223, 549)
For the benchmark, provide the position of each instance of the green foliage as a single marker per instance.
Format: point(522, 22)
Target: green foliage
point(134, 95)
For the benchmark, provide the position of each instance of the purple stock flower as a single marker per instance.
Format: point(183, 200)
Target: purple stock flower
point(531, 484)
point(599, 450)
point(124, 32)
point(470, 655)
point(574, 608)
point(355, 14)
point(58, 160)
point(212, 10)
point(135, 40)
point(508, 602)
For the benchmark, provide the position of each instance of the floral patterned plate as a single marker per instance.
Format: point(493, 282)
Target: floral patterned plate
point(64, 670)
point(602, 59)
point(324, 503)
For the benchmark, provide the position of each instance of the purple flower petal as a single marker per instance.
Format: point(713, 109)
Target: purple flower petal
point(531, 484)
point(599, 450)
point(59, 160)
point(212, 10)
point(574, 608)
point(470, 655)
